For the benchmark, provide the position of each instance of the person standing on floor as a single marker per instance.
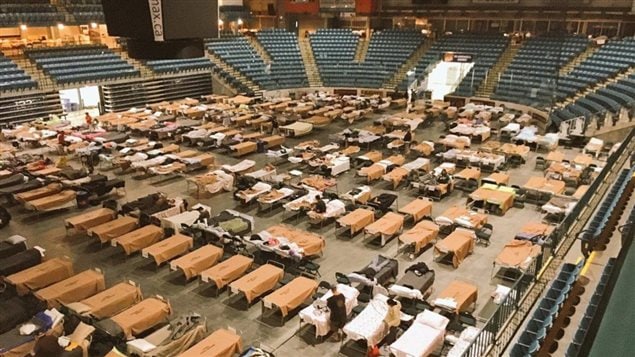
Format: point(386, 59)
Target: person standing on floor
point(337, 305)
point(407, 139)
point(89, 120)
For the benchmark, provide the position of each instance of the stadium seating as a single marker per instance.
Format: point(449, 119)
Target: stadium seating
point(485, 48)
point(608, 99)
point(590, 313)
point(603, 223)
point(79, 64)
point(388, 50)
point(332, 48)
point(85, 11)
point(12, 77)
point(287, 69)
point(179, 65)
point(536, 330)
point(535, 66)
point(610, 60)
point(239, 54)
point(29, 12)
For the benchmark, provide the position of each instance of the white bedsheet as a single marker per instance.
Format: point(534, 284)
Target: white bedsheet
point(511, 128)
point(369, 324)
point(527, 134)
point(416, 164)
point(353, 198)
point(419, 340)
point(309, 198)
point(262, 174)
point(255, 191)
point(286, 192)
point(224, 182)
point(174, 222)
point(321, 320)
point(239, 167)
point(149, 163)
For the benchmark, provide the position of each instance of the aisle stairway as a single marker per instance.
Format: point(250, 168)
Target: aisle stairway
point(259, 49)
point(493, 76)
point(577, 60)
point(233, 72)
point(410, 64)
point(44, 81)
point(596, 87)
point(312, 71)
point(362, 49)
point(145, 71)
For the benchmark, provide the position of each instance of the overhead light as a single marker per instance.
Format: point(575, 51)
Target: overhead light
point(23, 27)
point(60, 26)
point(239, 22)
point(220, 22)
point(93, 25)
point(528, 34)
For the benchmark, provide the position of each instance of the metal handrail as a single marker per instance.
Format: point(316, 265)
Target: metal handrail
point(497, 331)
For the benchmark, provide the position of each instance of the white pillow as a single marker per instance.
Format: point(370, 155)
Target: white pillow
point(15, 239)
point(432, 319)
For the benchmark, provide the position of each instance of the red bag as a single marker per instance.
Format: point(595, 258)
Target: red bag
point(373, 352)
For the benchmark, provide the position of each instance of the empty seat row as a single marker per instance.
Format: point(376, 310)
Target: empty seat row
point(549, 307)
point(12, 77)
point(79, 64)
point(535, 66)
point(603, 223)
point(609, 60)
point(287, 66)
point(590, 312)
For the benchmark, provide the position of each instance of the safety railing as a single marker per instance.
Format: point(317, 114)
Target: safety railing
point(508, 317)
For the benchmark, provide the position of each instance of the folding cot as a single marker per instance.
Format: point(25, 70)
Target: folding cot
point(72, 289)
point(415, 283)
point(108, 302)
point(455, 247)
point(457, 297)
point(386, 227)
point(136, 320)
point(105, 232)
point(321, 319)
point(423, 338)
point(168, 249)
point(227, 271)
point(194, 263)
point(290, 296)
point(258, 282)
point(417, 237)
point(357, 220)
point(221, 342)
point(40, 276)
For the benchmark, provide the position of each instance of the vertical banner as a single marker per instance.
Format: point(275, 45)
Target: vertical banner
point(156, 15)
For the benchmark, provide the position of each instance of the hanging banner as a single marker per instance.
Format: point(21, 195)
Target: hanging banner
point(156, 14)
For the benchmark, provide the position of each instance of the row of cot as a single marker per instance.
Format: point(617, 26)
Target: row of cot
point(96, 314)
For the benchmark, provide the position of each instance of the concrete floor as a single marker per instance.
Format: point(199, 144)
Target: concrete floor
point(341, 255)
